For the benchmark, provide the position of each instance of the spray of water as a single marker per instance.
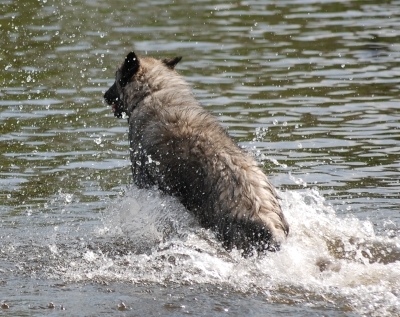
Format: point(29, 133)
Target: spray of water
point(147, 237)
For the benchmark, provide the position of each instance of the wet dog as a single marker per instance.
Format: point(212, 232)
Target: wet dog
point(178, 146)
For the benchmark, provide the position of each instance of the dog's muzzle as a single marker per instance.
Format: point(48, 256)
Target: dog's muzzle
point(112, 98)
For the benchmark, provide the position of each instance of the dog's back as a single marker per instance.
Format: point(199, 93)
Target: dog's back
point(178, 146)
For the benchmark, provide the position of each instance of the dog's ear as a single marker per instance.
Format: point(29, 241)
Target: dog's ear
point(129, 68)
point(171, 62)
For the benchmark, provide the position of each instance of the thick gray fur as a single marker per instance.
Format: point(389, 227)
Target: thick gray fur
point(178, 146)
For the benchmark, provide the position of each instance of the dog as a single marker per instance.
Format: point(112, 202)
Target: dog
point(178, 146)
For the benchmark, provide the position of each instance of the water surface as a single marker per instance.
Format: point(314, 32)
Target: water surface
point(310, 88)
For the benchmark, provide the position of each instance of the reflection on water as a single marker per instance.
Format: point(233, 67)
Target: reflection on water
point(311, 88)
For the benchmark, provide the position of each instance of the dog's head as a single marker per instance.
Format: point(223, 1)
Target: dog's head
point(130, 72)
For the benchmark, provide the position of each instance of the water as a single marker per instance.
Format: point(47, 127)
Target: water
point(310, 88)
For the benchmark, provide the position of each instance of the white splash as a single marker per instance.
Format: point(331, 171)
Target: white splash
point(325, 258)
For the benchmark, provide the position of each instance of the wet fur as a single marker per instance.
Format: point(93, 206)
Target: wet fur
point(178, 146)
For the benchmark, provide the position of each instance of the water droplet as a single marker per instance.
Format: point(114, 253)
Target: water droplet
point(343, 65)
point(97, 140)
point(8, 66)
point(28, 79)
point(300, 146)
point(275, 122)
point(122, 306)
point(68, 198)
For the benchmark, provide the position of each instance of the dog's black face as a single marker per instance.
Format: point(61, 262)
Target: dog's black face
point(125, 74)
point(112, 98)
point(114, 95)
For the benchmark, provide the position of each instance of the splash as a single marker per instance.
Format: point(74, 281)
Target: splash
point(148, 237)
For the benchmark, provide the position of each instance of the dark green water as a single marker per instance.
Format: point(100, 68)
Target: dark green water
point(312, 88)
